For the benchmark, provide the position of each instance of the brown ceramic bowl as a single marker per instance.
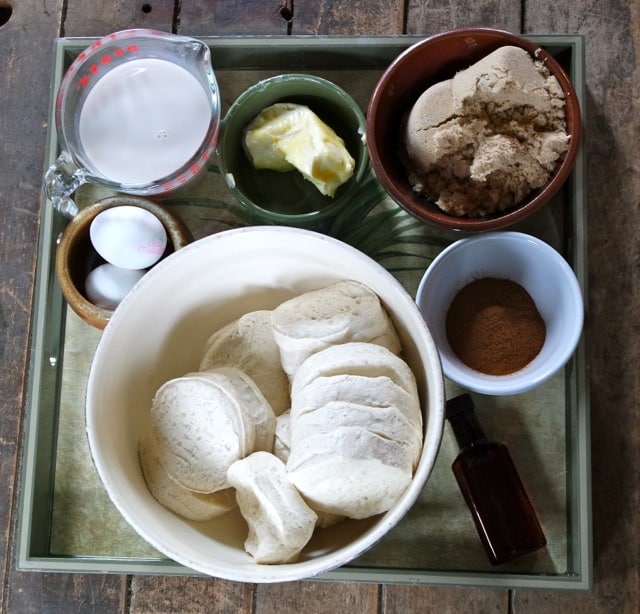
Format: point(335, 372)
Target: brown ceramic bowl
point(435, 59)
point(76, 257)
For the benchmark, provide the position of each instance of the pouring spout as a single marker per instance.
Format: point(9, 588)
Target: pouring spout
point(191, 49)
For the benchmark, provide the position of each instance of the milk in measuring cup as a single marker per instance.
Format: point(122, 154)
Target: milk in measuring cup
point(143, 121)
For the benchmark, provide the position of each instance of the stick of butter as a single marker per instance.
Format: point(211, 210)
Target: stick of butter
point(287, 136)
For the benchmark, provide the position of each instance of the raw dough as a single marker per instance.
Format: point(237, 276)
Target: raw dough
point(248, 344)
point(280, 522)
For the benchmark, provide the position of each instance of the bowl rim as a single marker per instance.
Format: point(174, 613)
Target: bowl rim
point(434, 395)
point(362, 163)
point(519, 381)
point(536, 199)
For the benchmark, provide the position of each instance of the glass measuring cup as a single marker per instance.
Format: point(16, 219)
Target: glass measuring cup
point(138, 111)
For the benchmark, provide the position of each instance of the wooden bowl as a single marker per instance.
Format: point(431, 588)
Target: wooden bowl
point(76, 257)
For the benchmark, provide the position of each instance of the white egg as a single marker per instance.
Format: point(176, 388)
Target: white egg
point(128, 237)
point(107, 284)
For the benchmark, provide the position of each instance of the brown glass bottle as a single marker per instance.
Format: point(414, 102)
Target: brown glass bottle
point(502, 512)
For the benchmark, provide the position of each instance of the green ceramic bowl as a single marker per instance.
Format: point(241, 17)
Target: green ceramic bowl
point(273, 197)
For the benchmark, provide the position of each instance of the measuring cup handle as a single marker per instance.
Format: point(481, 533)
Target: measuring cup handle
point(61, 179)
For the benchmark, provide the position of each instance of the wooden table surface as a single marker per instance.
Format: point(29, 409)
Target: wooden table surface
point(612, 35)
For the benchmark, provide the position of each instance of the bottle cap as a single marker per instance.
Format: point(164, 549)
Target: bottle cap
point(466, 428)
point(458, 404)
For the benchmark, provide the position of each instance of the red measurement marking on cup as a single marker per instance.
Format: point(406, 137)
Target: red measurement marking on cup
point(104, 60)
point(168, 186)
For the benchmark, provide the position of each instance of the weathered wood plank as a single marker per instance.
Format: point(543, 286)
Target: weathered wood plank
point(348, 17)
point(229, 17)
point(613, 197)
point(45, 593)
point(332, 17)
point(430, 18)
point(440, 15)
point(190, 595)
point(316, 597)
point(24, 87)
point(97, 18)
point(25, 43)
point(418, 599)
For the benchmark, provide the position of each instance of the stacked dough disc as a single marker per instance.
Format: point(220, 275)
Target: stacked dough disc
point(306, 412)
point(248, 344)
point(356, 429)
point(183, 501)
point(345, 311)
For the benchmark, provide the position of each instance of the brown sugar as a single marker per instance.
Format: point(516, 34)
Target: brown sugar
point(481, 141)
point(493, 326)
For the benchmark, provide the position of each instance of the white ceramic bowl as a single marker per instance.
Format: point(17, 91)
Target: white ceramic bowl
point(158, 332)
point(521, 258)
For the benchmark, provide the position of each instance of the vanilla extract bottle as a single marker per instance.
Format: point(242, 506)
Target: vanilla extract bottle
point(502, 512)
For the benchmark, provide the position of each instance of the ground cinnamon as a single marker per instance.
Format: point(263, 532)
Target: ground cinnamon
point(493, 326)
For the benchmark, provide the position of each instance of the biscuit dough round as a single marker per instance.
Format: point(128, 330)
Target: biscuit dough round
point(250, 400)
point(180, 500)
point(379, 391)
point(355, 358)
point(200, 430)
point(248, 344)
point(338, 313)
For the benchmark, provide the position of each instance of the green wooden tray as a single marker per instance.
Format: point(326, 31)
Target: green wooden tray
point(68, 524)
